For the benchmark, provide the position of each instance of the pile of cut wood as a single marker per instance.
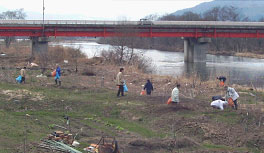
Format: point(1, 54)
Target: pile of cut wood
point(61, 136)
point(59, 141)
point(57, 146)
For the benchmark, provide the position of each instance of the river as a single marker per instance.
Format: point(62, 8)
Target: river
point(238, 70)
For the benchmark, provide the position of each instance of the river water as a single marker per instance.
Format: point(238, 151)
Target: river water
point(238, 70)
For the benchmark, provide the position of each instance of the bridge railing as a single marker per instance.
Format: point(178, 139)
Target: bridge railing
point(210, 24)
point(40, 22)
point(193, 24)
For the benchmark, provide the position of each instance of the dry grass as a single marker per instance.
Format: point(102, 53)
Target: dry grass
point(20, 49)
point(251, 55)
point(191, 86)
point(59, 54)
point(163, 85)
point(74, 87)
point(258, 55)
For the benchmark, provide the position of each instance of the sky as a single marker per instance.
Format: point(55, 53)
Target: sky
point(131, 10)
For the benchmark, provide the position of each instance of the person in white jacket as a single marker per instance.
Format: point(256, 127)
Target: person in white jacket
point(231, 93)
point(219, 104)
point(175, 94)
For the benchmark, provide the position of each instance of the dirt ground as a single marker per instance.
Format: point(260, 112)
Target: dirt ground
point(190, 126)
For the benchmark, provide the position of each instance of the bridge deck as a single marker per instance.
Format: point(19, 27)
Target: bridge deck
point(94, 28)
point(197, 24)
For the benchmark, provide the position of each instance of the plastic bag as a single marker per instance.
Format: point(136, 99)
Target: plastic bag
point(222, 83)
point(19, 79)
point(217, 97)
point(57, 77)
point(230, 102)
point(143, 92)
point(169, 101)
point(75, 143)
point(53, 73)
point(125, 88)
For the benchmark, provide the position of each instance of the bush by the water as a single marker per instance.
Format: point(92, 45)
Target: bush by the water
point(128, 57)
point(59, 55)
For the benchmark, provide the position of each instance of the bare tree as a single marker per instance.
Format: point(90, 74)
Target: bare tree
point(168, 17)
point(12, 15)
point(226, 13)
point(187, 16)
point(190, 16)
point(124, 43)
point(229, 14)
point(152, 17)
point(43, 59)
point(212, 14)
point(74, 56)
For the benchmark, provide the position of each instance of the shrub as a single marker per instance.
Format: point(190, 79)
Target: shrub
point(130, 58)
point(58, 55)
point(89, 71)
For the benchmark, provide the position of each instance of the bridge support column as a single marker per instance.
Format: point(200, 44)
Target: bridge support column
point(8, 41)
point(39, 45)
point(195, 49)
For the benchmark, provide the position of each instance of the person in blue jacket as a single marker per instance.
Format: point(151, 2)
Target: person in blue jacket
point(148, 87)
point(58, 75)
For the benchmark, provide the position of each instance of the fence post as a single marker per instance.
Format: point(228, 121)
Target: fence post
point(102, 81)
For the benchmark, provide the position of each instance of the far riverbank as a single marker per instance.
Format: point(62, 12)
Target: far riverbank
point(257, 54)
point(240, 54)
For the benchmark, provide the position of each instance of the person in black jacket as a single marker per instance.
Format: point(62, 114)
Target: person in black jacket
point(148, 87)
point(222, 80)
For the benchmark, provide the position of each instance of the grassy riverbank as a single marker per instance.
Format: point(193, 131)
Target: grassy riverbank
point(239, 54)
point(28, 113)
point(139, 123)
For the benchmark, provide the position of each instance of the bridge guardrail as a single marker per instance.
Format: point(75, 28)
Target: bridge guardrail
point(157, 23)
point(40, 22)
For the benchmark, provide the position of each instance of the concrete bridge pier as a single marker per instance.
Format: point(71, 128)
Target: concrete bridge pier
point(197, 69)
point(195, 49)
point(39, 45)
point(8, 41)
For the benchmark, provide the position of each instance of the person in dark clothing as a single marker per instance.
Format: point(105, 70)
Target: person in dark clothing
point(148, 87)
point(218, 98)
point(222, 80)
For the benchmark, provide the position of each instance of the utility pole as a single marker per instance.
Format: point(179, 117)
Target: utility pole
point(43, 19)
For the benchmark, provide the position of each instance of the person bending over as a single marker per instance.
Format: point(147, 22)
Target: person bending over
point(175, 94)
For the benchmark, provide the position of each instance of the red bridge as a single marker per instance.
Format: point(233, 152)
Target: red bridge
point(85, 28)
point(196, 34)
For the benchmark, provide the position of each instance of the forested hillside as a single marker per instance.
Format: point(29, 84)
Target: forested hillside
point(253, 9)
